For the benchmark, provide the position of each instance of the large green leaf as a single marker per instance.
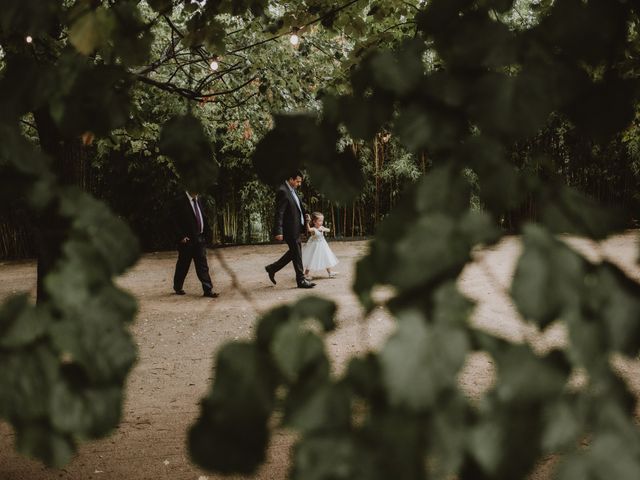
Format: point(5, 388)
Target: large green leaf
point(22, 324)
point(38, 441)
point(318, 406)
point(319, 308)
point(26, 380)
point(90, 98)
point(88, 413)
point(231, 433)
point(331, 456)
point(91, 30)
point(295, 349)
point(28, 16)
point(299, 141)
point(548, 279)
point(184, 140)
point(565, 210)
point(421, 360)
point(614, 300)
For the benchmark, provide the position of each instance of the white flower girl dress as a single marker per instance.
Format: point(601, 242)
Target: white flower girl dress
point(316, 254)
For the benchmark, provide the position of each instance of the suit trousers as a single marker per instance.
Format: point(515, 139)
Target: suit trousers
point(196, 251)
point(294, 254)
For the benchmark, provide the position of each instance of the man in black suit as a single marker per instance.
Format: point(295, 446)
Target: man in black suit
point(192, 235)
point(289, 224)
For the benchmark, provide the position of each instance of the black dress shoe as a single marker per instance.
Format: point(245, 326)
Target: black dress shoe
point(211, 294)
point(272, 275)
point(306, 284)
point(179, 292)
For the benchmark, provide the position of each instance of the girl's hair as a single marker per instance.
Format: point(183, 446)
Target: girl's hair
point(315, 216)
point(312, 220)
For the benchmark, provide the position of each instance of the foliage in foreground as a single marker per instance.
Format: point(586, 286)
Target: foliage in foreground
point(397, 412)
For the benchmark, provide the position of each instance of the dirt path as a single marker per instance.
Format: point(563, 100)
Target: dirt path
point(178, 336)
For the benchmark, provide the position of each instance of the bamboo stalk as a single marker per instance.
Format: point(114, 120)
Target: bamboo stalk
point(344, 222)
point(353, 219)
point(333, 221)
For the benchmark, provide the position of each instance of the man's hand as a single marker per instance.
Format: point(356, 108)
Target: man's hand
point(279, 238)
point(184, 240)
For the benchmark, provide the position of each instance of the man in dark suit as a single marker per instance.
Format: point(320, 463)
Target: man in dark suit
point(192, 235)
point(289, 225)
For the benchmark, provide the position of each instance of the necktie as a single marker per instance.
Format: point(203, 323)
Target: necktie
point(198, 216)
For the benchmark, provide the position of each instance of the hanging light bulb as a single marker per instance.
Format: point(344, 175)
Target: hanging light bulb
point(29, 39)
point(294, 39)
point(214, 65)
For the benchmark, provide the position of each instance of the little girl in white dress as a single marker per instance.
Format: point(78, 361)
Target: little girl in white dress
point(316, 254)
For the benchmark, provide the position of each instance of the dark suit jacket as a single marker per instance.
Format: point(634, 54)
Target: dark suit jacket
point(287, 220)
point(185, 223)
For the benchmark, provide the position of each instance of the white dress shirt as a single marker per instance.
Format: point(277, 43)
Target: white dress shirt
point(295, 195)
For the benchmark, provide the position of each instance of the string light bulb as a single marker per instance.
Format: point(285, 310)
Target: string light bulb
point(29, 39)
point(294, 39)
point(214, 65)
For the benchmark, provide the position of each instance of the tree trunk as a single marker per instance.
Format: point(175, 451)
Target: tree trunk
point(70, 164)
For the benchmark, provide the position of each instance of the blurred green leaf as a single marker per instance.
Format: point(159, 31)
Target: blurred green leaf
point(38, 441)
point(565, 210)
point(96, 340)
point(298, 141)
point(421, 360)
point(615, 299)
point(26, 380)
point(326, 456)
point(400, 71)
point(161, 6)
point(231, 434)
point(443, 190)
point(511, 106)
point(605, 109)
point(96, 98)
point(514, 409)
point(564, 423)
point(184, 140)
point(109, 236)
point(25, 86)
point(433, 251)
point(549, 277)
point(322, 407)
point(295, 349)
point(364, 115)
point(318, 308)
point(28, 16)
point(448, 432)
point(473, 39)
point(364, 376)
point(88, 414)
point(91, 30)
point(606, 22)
point(269, 325)
point(20, 323)
point(398, 438)
point(420, 127)
point(501, 187)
